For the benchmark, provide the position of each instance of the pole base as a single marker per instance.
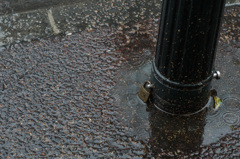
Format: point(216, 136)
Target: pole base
point(176, 98)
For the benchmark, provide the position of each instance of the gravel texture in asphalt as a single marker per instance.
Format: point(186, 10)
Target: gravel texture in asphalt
point(74, 96)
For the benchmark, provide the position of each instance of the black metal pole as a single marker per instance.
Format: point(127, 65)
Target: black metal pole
point(184, 63)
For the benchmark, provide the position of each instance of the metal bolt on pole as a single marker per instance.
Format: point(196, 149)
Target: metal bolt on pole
point(183, 67)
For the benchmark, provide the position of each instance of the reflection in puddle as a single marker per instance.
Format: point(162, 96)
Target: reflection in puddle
point(169, 135)
point(176, 133)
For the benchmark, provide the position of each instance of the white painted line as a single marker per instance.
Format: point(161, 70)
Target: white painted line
point(52, 22)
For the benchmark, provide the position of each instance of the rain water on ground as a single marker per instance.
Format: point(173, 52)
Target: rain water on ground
point(69, 78)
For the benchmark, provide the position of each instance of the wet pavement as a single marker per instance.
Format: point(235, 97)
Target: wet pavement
point(74, 95)
point(26, 20)
point(48, 21)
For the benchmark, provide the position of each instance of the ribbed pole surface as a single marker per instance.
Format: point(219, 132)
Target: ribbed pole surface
point(187, 39)
point(184, 62)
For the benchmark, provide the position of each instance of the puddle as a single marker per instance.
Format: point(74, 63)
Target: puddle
point(176, 135)
point(202, 134)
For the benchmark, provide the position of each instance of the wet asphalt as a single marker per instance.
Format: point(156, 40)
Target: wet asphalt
point(47, 21)
point(68, 86)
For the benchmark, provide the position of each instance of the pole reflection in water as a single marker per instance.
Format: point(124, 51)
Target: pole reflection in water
point(173, 133)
